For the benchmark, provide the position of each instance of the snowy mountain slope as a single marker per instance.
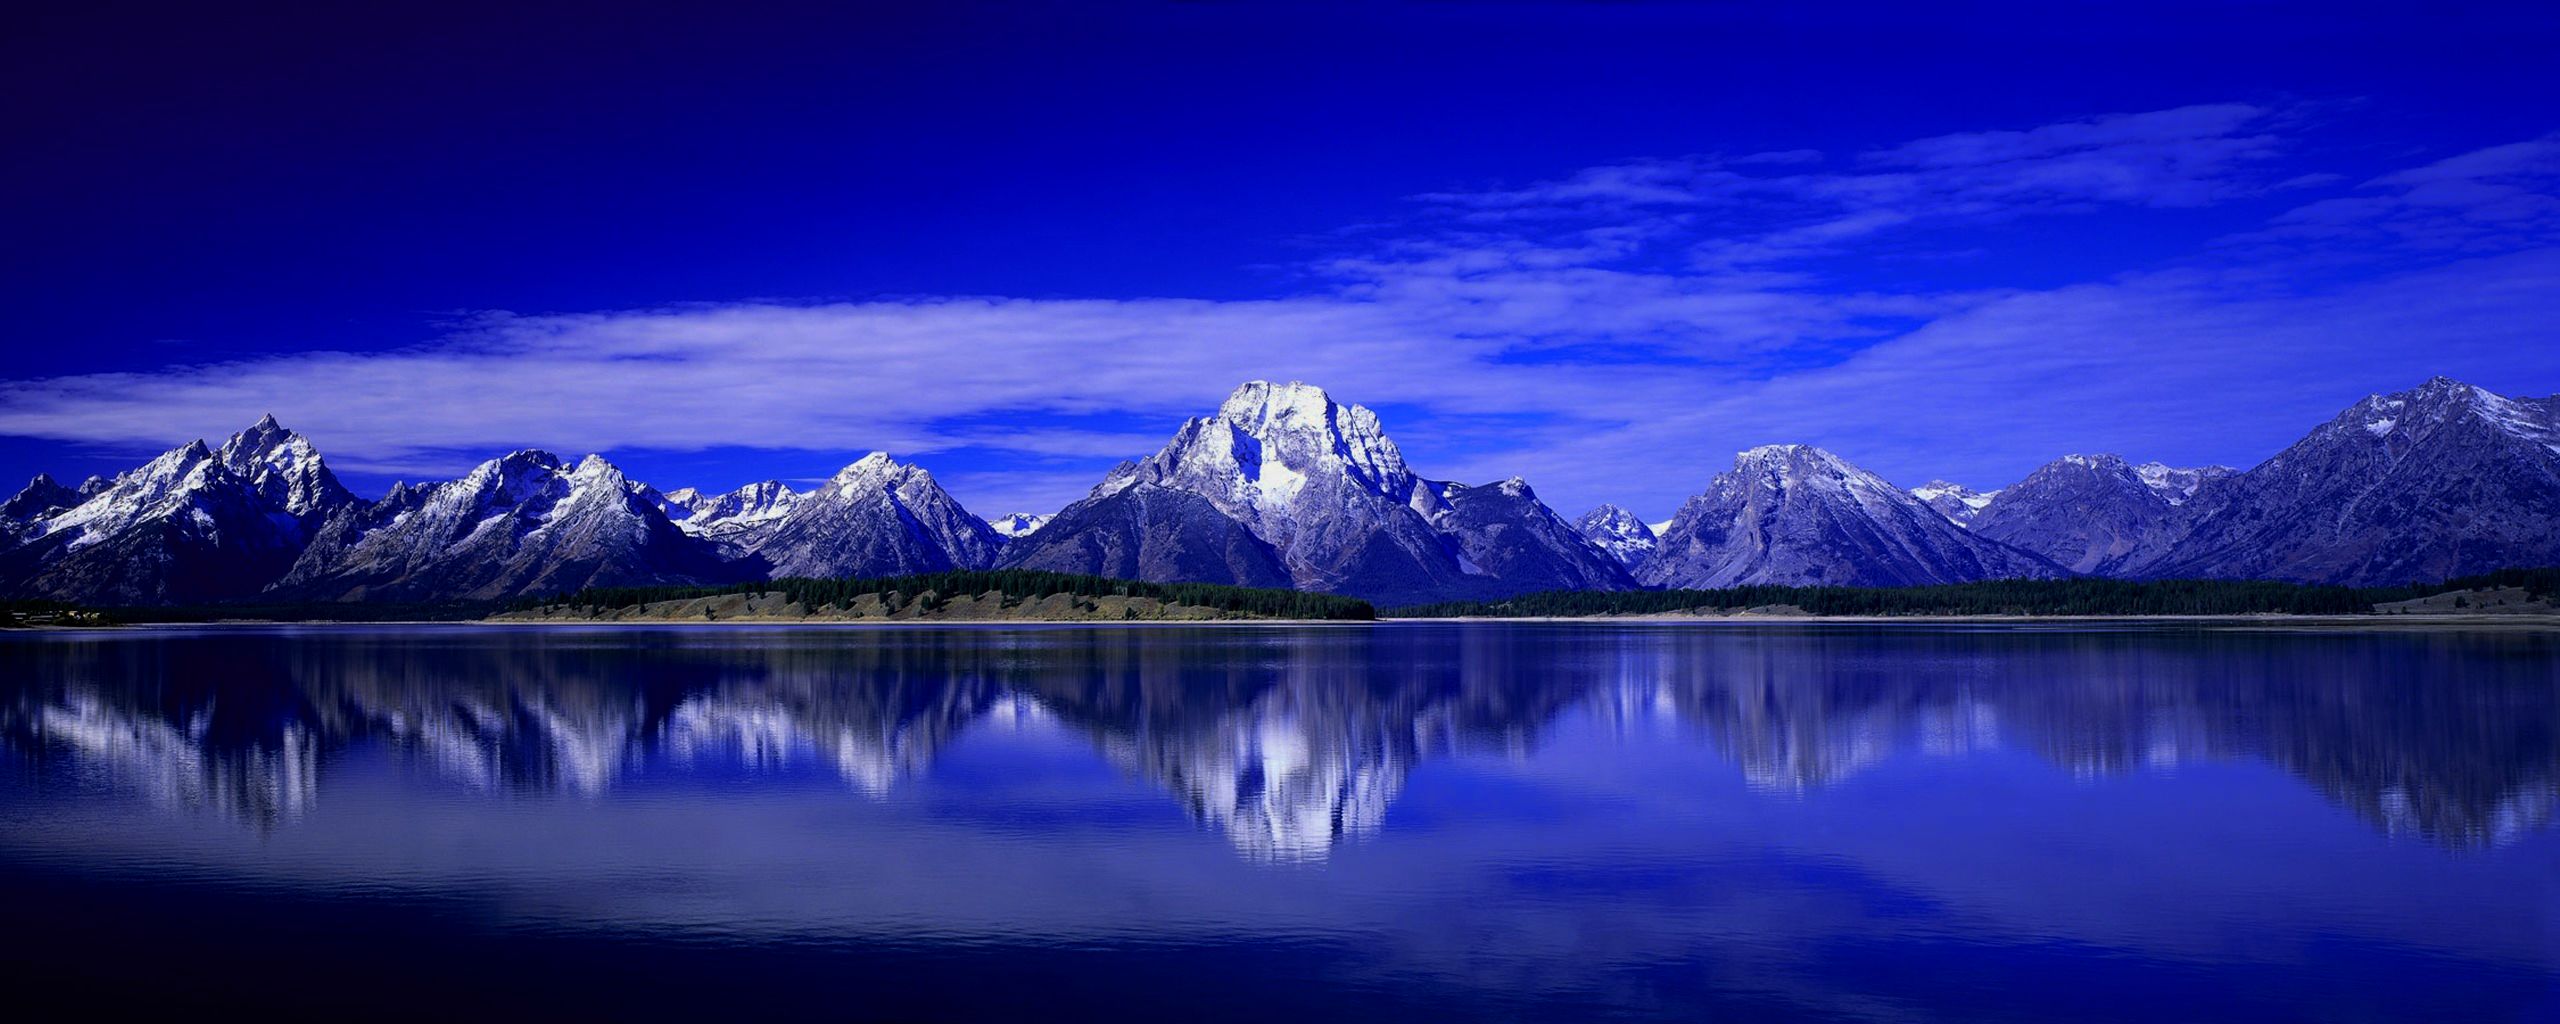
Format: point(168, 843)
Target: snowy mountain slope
point(1798, 515)
point(736, 517)
point(876, 517)
point(285, 469)
point(1957, 502)
point(40, 498)
point(1019, 525)
point(517, 525)
point(2177, 485)
point(1618, 534)
point(196, 524)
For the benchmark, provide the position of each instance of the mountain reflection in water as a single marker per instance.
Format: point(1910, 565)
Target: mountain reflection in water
point(1289, 741)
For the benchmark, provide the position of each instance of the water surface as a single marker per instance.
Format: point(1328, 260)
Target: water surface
point(1406, 821)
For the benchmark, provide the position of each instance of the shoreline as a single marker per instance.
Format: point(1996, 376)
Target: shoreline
point(2259, 619)
point(2380, 622)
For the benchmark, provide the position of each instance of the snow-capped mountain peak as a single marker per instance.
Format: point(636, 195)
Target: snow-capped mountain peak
point(1285, 473)
point(41, 497)
point(1619, 533)
point(192, 524)
point(729, 516)
point(284, 467)
point(1787, 466)
point(1019, 524)
point(2420, 410)
point(155, 488)
point(1285, 432)
point(682, 499)
point(1957, 502)
point(876, 516)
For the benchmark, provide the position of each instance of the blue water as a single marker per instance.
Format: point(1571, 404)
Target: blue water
point(1398, 822)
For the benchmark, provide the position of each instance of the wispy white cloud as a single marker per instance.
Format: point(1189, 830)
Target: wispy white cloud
point(2493, 199)
point(1777, 206)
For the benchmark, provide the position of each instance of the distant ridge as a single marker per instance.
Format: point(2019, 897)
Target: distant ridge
point(1284, 486)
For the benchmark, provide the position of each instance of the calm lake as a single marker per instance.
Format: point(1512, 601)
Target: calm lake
point(1395, 822)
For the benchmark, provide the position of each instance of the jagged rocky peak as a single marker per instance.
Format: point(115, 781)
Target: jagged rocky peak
point(878, 476)
point(192, 524)
point(41, 497)
point(285, 468)
point(1619, 533)
point(1957, 502)
point(2443, 401)
point(522, 523)
point(593, 473)
point(1785, 466)
point(155, 488)
point(1310, 429)
point(1019, 524)
point(729, 514)
point(511, 479)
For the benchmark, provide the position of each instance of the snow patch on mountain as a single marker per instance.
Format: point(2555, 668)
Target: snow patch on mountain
point(2178, 484)
point(734, 515)
point(1957, 502)
point(875, 517)
point(1619, 533)
point(1020, 524)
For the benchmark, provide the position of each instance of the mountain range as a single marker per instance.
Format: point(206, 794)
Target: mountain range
point(1284, 486)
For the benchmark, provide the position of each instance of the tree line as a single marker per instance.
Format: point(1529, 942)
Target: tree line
point(2080, 596)
point(1014, 584)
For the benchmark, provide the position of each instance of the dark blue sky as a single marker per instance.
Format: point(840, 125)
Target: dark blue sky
point(1599, 246)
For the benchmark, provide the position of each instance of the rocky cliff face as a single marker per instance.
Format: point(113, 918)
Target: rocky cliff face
point(1798, 515)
